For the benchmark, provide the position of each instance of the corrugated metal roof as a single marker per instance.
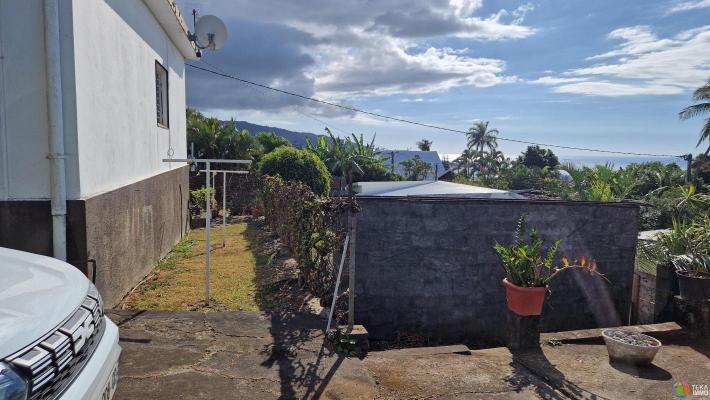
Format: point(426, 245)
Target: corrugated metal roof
point(430, 189)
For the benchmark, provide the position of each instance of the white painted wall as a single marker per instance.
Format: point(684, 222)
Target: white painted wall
point(109, 48)
point(117, 43)
point(24, 167)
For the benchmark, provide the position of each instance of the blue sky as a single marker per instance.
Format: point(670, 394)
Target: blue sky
point(605, 74)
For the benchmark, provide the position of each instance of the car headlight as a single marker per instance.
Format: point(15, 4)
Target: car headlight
point(12, 385)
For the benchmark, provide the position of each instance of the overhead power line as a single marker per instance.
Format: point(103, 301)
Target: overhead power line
point(221, 73)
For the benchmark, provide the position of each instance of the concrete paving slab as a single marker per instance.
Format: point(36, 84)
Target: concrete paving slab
point(232, 355)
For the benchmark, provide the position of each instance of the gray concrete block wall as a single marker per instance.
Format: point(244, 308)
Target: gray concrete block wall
point(429, 267)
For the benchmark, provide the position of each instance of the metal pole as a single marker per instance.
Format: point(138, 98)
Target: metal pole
point(337, 283)
point(224, 209)
point(351, 254)
point(208, 246)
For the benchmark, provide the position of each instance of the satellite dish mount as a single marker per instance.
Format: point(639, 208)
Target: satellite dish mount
point(210, 32)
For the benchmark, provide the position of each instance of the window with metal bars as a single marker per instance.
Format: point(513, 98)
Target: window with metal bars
point(161, 95)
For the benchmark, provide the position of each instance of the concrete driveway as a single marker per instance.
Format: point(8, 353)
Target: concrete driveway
point(232, 355)
point(251, 355)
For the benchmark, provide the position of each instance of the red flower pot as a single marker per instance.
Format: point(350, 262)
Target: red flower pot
point(524, 301)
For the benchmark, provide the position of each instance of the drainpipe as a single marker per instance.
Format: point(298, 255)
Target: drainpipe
point(56, 128)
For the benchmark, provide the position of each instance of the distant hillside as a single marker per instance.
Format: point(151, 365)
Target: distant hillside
point(297, 139)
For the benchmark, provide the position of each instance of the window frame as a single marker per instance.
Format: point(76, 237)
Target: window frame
point(166, 100)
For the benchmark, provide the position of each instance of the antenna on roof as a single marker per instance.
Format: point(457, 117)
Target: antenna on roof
point(210, 32)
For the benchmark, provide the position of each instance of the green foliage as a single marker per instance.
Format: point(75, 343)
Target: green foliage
point(415, 169)
point(308, 224)
point(686, 245)
point(424, 145)
point(198, 200)
point(527, 264)
point(340, 154)
point(537, 157)
point(268, 142)
point(701, 169)
point(345, 344)
point(480, 137)
point(702, 96)
point(297, 165)
point(216, 139)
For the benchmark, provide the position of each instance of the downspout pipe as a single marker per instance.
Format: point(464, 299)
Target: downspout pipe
point(56, 129)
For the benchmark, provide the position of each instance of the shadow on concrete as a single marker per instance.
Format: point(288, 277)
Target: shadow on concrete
point(650, 371)
point(549, 382)
point(304, 368)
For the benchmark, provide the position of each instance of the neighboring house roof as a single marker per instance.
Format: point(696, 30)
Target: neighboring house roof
point(431, 157)
point(430, 189)
point(168, 15)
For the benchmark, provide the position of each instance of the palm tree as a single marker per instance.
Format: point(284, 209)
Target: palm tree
point(464, 161)
point(424, 145)
point(701, 94)
point(480, 137)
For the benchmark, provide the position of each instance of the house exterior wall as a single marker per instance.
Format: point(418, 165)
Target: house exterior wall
point(126, 207)
point(108, 51)
point(429, 267)
point(24, 167)
point(116, 45)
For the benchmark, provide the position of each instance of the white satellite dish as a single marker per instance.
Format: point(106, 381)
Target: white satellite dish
point(211, 33)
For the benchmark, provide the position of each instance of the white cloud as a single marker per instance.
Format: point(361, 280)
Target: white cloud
point(345, 49)
point(689, 5)
point(643, 64)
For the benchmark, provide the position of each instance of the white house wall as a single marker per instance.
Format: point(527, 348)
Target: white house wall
point(24, 167)
point(116, 43)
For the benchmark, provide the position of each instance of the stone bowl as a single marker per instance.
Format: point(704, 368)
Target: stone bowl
point(630, 350)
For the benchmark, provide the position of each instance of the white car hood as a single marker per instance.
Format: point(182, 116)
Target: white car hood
point(36, 294)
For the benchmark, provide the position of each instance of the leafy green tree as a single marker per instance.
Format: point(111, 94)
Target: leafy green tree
point(216, 139)
point(481, 137)
point(268, 142)
point(702, 96)
point(351, 154)
point(537, 157)
point(701, 169)
point(293, 164)
point(424, 145)
point(415, 169)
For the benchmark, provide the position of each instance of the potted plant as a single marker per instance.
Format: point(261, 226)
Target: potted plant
point(529, 269)
point(687, 247)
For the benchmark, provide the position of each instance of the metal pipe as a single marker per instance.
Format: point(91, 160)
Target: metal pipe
point(337, 283)
point(224, 209)
point(208, 245)
point(55, 123)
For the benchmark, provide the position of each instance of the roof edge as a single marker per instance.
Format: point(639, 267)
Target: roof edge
point(168, 15)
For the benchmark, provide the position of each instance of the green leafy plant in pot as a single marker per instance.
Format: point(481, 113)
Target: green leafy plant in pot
point(687, 247)
point(529, 269)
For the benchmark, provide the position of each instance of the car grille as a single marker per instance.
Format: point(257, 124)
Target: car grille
point(53, 363)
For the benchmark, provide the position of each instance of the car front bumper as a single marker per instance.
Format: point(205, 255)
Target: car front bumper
point(92, 380)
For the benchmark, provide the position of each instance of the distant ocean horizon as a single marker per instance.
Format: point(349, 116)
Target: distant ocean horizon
point(617, 161)
point(592, 160)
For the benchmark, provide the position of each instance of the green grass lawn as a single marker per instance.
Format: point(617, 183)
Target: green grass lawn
point(178, 282)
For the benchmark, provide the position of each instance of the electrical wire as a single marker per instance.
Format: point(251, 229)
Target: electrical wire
point(221, 73)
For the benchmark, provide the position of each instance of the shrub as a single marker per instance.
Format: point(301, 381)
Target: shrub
point(198, 200)
point(293, 164)
point(309, 225)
